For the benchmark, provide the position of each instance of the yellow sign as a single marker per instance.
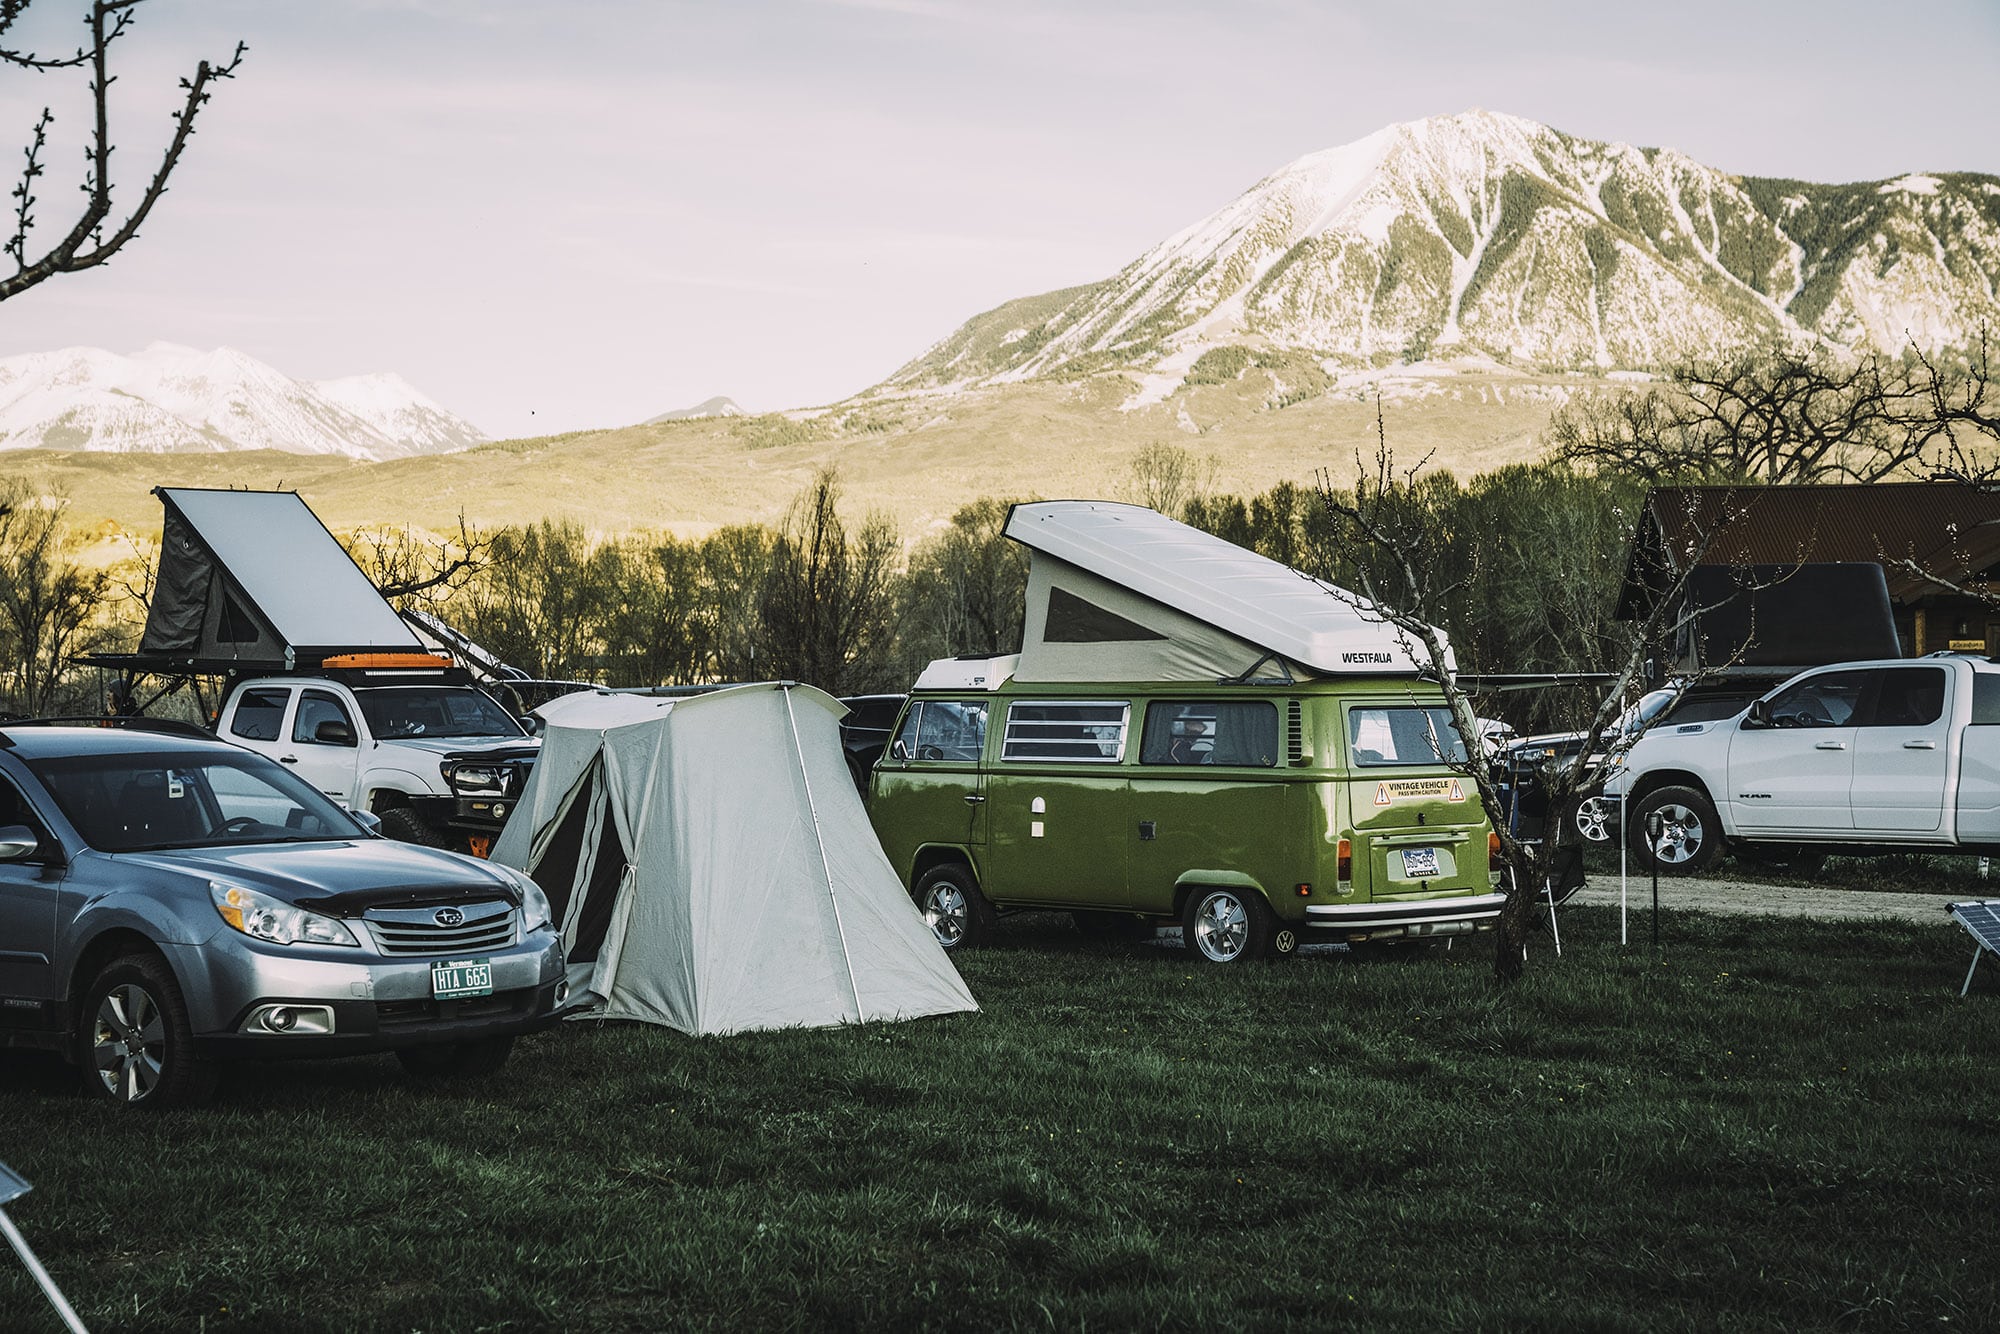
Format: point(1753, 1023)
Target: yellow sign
point(1966, 645)
point(1418, 789)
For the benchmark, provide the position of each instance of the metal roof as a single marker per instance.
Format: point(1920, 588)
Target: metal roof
point(1272, 606)
point(1946, 528)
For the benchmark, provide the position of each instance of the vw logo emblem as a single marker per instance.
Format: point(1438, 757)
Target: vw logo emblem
point(448, 917)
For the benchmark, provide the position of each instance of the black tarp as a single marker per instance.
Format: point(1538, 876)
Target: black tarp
point(1785, 616)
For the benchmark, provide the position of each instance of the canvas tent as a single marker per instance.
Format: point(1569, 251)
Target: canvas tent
point(1123, 593)
point(253, 580)
point(712, 868)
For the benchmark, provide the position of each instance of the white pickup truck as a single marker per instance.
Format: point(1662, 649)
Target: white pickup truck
point(436, 759)
point(1889, 755)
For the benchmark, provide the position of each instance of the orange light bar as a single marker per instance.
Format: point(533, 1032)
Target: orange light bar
point(1346, 871)
point(386, 660)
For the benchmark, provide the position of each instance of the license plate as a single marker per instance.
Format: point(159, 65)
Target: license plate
point(459, 978)
point(1419, 862)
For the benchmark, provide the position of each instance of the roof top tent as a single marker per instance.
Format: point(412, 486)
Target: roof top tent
point(253, 579)
point(1123, 593)
point(1758, 618)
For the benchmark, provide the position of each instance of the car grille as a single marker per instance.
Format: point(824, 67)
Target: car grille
point(406, 931)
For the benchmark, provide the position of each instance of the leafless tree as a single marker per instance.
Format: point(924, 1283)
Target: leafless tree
point(1778, 417)
point(1962, 414)
point(828, 599)
point(1168, 478)
point(1407, 573)
point(86, 242)
point(48, 603)
point(417, 566)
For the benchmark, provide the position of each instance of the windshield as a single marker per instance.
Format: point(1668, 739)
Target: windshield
point(447, 711)
point(1650, 706)
point(137, 802)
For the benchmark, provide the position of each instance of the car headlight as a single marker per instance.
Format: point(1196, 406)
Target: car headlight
point(476, 780)
point(266, 918)
point(535, 909)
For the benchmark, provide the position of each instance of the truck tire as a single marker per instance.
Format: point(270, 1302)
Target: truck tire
point(406, 826)
point(1691, 841)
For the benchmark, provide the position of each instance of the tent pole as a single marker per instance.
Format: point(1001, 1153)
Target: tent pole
point(819, 840)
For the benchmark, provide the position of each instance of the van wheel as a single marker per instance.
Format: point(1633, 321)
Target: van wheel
point(1226, 925)
point(953, 907)
point(1691, 836)
point(135, 1043)
point(456, 1060)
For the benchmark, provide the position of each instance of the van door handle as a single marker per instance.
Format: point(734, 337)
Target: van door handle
point(1920, 745)
point(973, 799)
point(1829, 745)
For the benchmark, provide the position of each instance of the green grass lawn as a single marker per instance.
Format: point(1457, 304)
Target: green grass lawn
point(1782, 1126)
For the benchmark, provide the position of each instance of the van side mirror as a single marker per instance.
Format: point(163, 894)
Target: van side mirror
point(898, 751)
point(333, 732)
point(1760, 714)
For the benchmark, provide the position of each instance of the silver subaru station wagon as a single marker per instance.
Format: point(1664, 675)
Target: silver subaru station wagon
point(170, 902)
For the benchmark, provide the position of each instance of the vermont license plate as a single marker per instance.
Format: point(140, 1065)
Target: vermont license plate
point(458, 978)
point(1419, 862)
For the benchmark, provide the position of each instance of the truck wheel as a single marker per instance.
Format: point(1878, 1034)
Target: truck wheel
point(952, 905)
point(135, 1043)
point(456, 1060)
point(1593, 819)
point(1691, 839)
point(1226, 925)
point(406, 826)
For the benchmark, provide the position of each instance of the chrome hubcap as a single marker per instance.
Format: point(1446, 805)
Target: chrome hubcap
point(1593, 820)
point(946, 910)
point(1221, 927)
point(128, 1042)
point(1680, 835)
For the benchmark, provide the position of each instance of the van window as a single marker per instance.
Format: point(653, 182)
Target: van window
point(1403, 736)
point(259, 713)
point(1066, 732)
point(1234, 732)
point(944, 729)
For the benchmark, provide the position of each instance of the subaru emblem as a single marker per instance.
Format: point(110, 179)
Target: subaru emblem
point(448, 917)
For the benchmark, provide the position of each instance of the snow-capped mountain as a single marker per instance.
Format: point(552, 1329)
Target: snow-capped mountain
point(1488, 234)
point(718, 406)
point(170, 399)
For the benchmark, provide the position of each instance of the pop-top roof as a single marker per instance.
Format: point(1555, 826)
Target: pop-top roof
point(1249, 597)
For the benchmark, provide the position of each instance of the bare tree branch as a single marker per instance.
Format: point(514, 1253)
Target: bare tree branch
point(85, 244)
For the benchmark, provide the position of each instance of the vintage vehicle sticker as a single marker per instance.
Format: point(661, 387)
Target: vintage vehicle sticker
point(1418, 789)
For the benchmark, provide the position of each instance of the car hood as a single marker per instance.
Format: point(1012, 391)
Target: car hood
point(338, 877)
point(461, 745)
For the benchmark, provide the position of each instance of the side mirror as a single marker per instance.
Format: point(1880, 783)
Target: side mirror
point(333, 732)
point(18, 843)
point(1760, 714)
point(898, 751)
point(368, 820)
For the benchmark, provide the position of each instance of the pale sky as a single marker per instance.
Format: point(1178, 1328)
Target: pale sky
point(558, 215)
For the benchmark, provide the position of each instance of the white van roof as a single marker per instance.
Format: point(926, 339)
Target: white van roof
point(1135, 595)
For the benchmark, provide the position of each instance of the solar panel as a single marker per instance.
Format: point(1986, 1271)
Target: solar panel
point(1982, 918)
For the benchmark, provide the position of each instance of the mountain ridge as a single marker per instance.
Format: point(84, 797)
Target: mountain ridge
point(1490, 235)
point(174, 399)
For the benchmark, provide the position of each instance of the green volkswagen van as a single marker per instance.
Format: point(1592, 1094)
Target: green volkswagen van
point(1262, 767)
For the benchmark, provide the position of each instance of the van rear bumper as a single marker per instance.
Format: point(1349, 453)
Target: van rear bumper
point(1385, 917)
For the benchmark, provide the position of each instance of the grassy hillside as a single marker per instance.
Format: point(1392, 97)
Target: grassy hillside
point(917, 458)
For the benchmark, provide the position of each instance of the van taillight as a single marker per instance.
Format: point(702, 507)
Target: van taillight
point(1346, 871)
point(1492, 848)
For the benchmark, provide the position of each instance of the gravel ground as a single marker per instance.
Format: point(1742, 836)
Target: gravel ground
point(1736, 896)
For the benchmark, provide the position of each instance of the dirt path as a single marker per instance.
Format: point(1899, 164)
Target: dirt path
point(1737, 896)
